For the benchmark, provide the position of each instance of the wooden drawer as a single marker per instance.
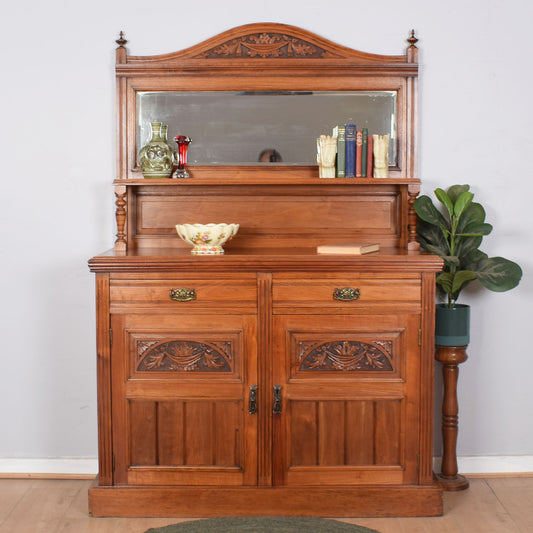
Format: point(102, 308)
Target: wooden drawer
point(345, 293)
point(183, 294)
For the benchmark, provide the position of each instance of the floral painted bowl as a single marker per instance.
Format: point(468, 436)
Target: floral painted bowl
point(207, 239)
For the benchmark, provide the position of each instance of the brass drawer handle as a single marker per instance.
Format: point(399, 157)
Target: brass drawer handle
point(346, 294)
point(182, 295)
point(252, 400)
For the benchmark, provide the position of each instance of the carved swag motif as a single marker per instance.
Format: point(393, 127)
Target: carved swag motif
point(184, 356)
point(263, 45)
point(345, 356)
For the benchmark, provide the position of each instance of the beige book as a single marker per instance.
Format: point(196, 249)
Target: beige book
point(347, 248)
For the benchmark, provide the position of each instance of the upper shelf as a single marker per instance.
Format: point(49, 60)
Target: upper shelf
point(262, 175)
point(272, 179)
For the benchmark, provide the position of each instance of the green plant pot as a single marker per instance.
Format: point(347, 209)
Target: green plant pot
point(452, 325)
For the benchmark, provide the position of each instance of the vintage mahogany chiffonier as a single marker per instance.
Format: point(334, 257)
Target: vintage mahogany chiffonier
point(265, 393)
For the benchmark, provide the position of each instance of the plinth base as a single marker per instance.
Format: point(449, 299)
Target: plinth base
point(334, 501)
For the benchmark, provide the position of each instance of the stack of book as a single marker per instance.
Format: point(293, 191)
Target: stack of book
point(354, 152)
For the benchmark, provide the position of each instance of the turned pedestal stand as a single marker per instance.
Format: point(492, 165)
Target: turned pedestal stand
point(450, 357)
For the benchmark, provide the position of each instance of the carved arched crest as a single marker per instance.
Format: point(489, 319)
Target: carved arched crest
point(267, 41)
point(266, 44)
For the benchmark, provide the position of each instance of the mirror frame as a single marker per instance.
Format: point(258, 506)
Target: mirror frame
point(266, 57)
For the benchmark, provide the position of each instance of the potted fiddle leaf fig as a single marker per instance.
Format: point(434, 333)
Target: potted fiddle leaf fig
point(454, 232)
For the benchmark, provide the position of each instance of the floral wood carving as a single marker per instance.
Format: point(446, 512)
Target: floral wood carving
point(345, 356)
point(264, 45)
point(184, 356)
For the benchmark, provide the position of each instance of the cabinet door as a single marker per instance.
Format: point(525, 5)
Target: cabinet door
point(180, 394)
point(350, 392)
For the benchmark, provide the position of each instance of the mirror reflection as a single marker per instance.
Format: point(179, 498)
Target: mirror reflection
point(263, 128)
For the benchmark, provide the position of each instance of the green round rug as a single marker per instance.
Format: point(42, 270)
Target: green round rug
point(262, 524)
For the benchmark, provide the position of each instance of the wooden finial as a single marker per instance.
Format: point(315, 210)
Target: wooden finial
point(412, 39)
point(121, 41)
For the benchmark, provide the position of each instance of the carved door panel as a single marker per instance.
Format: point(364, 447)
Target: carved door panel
point(181, 399)
point(349, 399)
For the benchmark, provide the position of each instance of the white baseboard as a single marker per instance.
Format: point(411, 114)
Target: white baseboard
point(491, 464)
point(88, 466)
point(54, 467)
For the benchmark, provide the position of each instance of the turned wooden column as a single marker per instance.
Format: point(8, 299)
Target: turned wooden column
point(450, 357)
point(121, 215)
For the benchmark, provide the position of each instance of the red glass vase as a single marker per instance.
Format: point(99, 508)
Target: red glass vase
point(183, 143)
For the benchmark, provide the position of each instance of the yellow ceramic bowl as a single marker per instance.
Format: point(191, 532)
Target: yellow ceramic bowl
point(207, 239)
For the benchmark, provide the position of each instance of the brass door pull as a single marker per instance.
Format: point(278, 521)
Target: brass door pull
point(252, 400)
point(182, 295)
point(346, 294)
point(276, 409)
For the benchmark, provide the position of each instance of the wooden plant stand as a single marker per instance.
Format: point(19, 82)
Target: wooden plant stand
point(450, 357)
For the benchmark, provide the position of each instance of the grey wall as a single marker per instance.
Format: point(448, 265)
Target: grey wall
point(57, 146)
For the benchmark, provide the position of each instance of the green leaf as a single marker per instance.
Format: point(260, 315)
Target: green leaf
point(445, 200)
point(471, 259)
point(474, 214)
point(437, 250)
point(451, 260)
point(453, 282)
point(475, 229)
point(430, 234)
point(462, 203)
point(445, 280)
point(456, 190)
point(467, 245)
point(498, 274)
point(428, 212)
point(461, 278)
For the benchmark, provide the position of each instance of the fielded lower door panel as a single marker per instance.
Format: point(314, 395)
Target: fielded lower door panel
point(349, 390)
point(181, 389)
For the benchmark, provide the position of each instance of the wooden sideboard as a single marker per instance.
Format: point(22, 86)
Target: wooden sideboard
point(267, 392)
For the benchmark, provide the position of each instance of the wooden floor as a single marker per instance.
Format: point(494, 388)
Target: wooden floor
point(497, 505)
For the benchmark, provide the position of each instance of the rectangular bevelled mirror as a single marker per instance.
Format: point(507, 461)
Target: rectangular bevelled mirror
point(236, 127)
